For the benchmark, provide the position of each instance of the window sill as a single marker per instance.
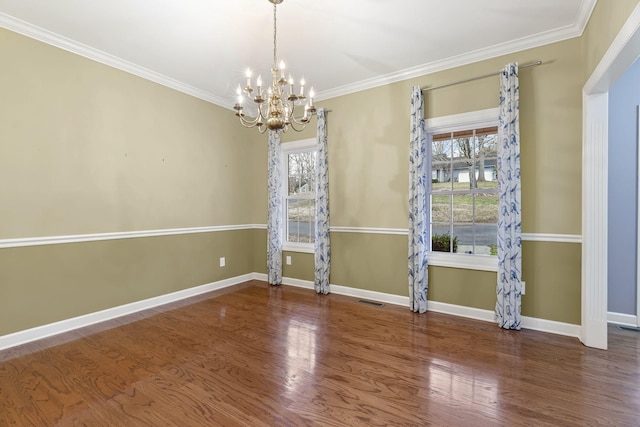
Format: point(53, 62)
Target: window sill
point(298, 247)
point(469, 262)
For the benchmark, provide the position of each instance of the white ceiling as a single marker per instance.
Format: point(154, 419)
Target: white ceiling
point(202, 47)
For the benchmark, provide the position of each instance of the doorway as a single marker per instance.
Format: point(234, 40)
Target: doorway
point(624, 50)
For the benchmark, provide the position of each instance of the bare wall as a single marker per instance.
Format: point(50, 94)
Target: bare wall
point(86, 148)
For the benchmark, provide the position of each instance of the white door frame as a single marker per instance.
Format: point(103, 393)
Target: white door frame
point(624, 50)
point(638, 226)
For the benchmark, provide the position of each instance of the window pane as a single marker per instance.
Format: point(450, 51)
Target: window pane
point(441, 163)
point(486, 206)
point(463, 163)
point(463, 235)
point(441, 208)
point(294, 184)
point(301, 220)
point(441, 238)
point(486, 160)
point(301, 172)
point(293, 220)
point(486, 239)
point(463, 208)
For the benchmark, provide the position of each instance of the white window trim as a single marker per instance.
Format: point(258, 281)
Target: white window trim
point(468, 261)
point(453, 123)
point(463, 121)
point(286, 149)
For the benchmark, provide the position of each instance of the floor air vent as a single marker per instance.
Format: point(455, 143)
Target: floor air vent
point(628, 328)
point(373, 303)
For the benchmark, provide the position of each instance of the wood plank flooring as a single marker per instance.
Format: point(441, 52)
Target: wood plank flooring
point(255, 355)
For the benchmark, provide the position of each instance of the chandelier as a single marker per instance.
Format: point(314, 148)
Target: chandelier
point(276, 105)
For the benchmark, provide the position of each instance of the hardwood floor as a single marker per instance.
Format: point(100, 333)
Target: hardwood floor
point(255, 355)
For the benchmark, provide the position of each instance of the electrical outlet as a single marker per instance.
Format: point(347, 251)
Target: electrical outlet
point(223, 262)
point(523, 288)
point(288, 259)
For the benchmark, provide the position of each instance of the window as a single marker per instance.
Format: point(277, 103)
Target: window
point(464, 189)
point(299, 168)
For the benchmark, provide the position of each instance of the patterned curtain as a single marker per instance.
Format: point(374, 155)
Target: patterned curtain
point(509, 287)
point(418, 205)
point(274, 215)
point(322, 249)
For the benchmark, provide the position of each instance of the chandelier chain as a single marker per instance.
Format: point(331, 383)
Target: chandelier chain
point(275, 49)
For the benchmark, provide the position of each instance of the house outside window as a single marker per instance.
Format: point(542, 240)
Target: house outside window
point(299, 170)
point(464, 190)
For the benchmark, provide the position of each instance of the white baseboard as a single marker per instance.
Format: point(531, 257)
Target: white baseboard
point(351, 292)
point(370, 295)
point(460, 310)
point(622, 319)
point(532, 323)
point(551, 326)
point(44, 331)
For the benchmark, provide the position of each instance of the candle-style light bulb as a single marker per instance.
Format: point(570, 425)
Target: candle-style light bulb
point(259, 83)
point(291, 85)
point(302, 87)
point(311, 95)
point(282, 67)
point(238, 90)
point(248, 74)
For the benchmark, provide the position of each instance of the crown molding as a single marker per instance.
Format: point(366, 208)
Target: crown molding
point(564, 33)
point(53, 39)
point(583, 15)
point(541, 39)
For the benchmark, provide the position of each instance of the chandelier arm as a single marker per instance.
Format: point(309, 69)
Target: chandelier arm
point(291, 125)
point(300, 122)
point(249, 123)
point(263, 110)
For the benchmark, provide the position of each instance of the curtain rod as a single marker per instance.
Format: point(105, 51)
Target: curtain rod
point(533, 64)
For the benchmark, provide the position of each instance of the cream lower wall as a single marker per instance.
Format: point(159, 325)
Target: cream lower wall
point(50, 283)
